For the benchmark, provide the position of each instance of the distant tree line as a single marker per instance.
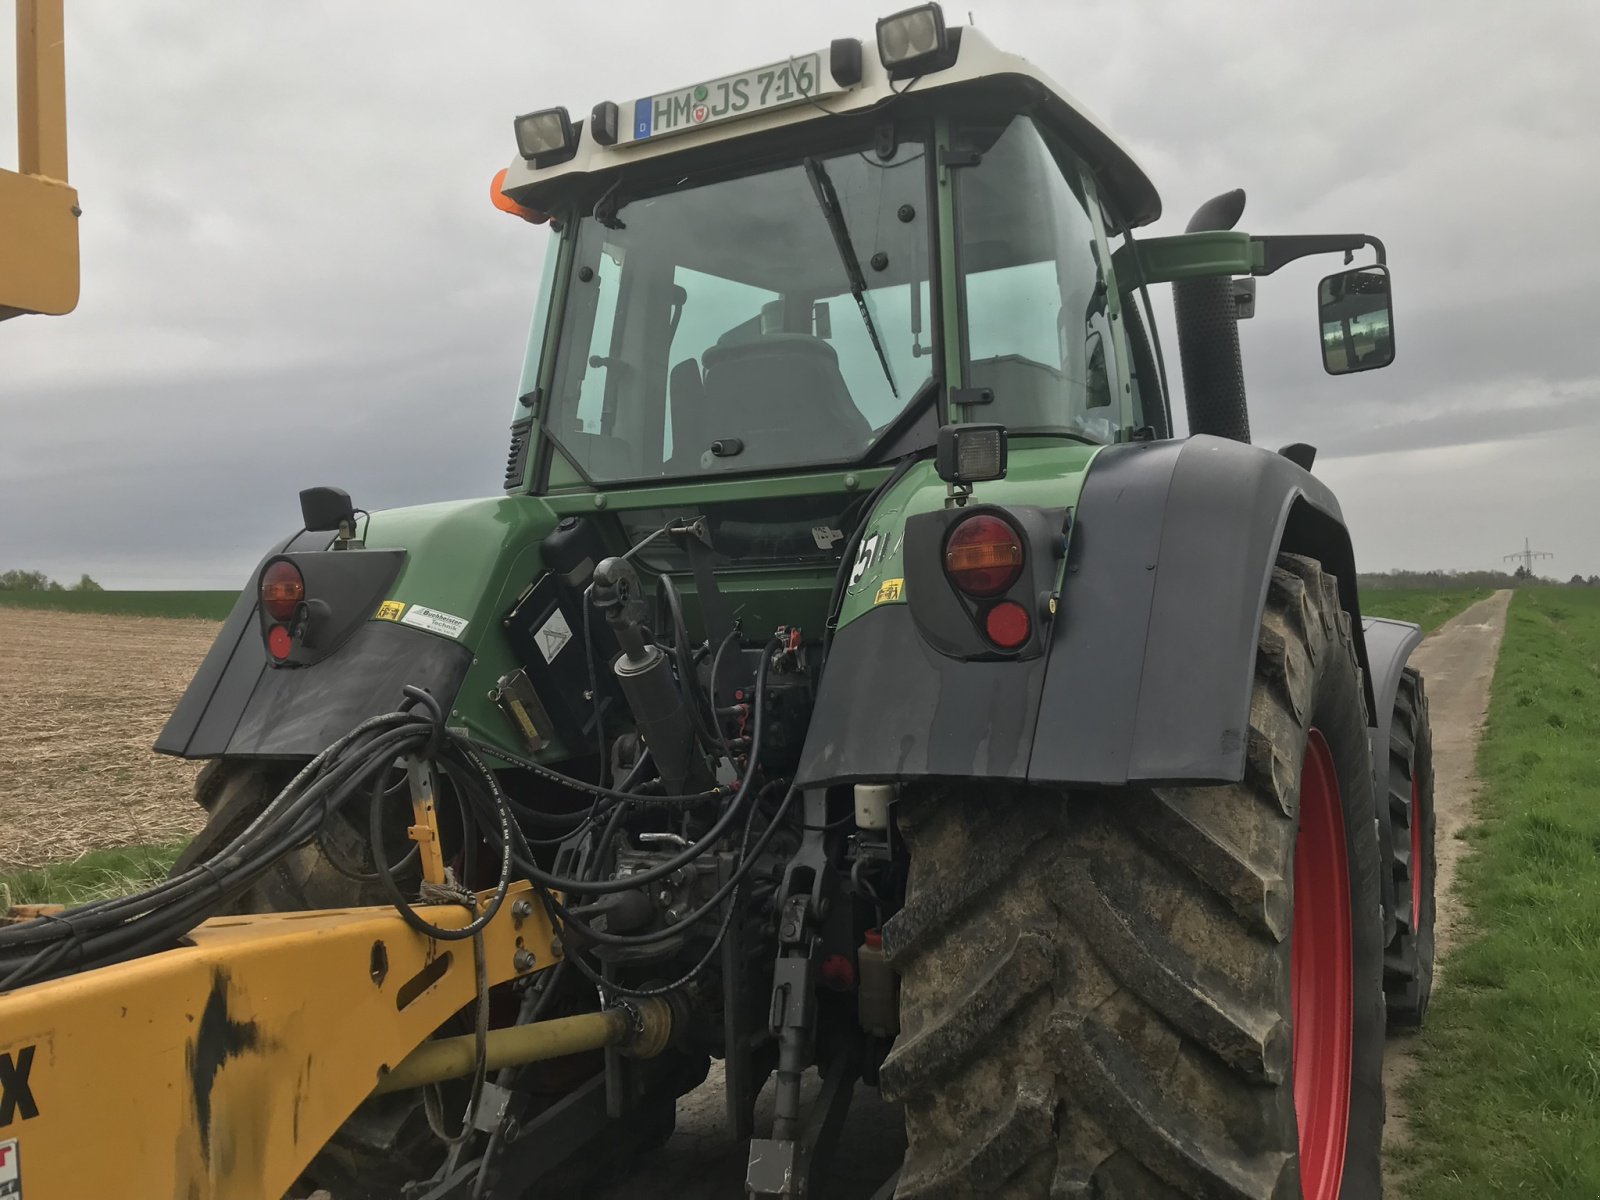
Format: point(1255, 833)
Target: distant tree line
point(38, 581)
point(1461, 580)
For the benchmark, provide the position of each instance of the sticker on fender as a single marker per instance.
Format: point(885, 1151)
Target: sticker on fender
point(389, 610)
point(10, 1170)
point(891, 589)
point(434, 621)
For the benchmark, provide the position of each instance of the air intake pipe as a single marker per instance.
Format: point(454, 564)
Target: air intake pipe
point(1208, 336)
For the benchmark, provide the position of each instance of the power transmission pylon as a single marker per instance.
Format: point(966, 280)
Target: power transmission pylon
point(1526, 556)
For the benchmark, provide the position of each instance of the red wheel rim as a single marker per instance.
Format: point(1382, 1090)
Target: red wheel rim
point(1321, 977)
point(1416, 855)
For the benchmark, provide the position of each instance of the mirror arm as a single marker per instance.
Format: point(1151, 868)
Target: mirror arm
point(1274, 252)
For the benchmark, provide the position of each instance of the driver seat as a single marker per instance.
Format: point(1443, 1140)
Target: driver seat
point(783, 394)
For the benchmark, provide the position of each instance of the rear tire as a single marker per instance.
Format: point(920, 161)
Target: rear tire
point(1408, 963)
point(1096, 987)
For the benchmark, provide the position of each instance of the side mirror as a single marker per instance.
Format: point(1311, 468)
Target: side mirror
point(1357, 321)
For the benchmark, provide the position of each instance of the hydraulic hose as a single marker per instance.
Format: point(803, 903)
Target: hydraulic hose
point(486, 783)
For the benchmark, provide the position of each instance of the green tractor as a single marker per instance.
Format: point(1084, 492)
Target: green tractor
point(870, 672)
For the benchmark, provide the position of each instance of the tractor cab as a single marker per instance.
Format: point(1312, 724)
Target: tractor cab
point(819, 262)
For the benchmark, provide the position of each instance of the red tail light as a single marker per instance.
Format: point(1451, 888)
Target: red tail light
point(1007, 624)
point(279, 643)
point(983, 556)
point(282, 589)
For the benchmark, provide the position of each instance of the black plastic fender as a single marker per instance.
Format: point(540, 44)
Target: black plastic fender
point(238, 706)
point(1151, 660)
point(1153, 654)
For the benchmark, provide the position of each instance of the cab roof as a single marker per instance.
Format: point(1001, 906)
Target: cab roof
point(1132, 197)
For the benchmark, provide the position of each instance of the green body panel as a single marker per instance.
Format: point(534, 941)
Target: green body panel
point(687, 494)
point(470, 559)
point(1185, 256)
point(1045, 472)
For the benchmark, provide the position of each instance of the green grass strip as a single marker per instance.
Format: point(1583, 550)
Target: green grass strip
point(1506, 1098)
point(96, 875)
point(212, 606)
point(1420, 606)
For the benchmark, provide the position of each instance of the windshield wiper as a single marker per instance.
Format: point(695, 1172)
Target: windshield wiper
point(822, 185)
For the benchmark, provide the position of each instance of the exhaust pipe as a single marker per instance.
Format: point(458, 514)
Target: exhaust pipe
point(1208, 336)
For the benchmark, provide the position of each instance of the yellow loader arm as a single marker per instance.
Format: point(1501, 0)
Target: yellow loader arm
point(217, 1070)
point(38, 210)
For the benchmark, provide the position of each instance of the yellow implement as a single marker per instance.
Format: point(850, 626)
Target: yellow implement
point(38, 210)
point(215, 1071)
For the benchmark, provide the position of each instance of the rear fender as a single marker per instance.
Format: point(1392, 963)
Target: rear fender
point(1151, 656)
point(436, 624)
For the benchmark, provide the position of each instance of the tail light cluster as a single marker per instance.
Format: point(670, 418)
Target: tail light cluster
point(983, 558)
point(283, 592)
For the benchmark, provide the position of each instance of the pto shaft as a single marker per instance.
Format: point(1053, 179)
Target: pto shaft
point(642, 1028)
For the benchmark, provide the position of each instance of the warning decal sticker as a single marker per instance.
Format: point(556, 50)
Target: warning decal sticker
point(890, 590)
point(434, 621)
point(389, 610)
point(553, 635)
point(10, 1171)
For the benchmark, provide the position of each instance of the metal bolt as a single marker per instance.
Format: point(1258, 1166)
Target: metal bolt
point(664, 897)
point(556, 948)
point(523, 960)
point(521, 909)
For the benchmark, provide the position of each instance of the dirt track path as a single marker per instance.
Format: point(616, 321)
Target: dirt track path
point(1457, 662)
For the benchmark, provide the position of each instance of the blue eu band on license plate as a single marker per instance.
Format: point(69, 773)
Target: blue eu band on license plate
point(792, 81)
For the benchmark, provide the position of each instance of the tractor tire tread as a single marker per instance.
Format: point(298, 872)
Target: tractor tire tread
point(1094, 984)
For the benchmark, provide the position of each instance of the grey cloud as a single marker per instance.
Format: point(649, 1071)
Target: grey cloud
point(292, 274)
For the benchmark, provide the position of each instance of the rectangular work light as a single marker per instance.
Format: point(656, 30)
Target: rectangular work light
point(912, 40)
point(971, 453)
point(548, 131)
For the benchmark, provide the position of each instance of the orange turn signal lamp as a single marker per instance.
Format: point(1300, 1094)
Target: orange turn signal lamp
point(506, 204)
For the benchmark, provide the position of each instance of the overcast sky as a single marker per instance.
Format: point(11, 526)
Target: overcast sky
point(292, 273)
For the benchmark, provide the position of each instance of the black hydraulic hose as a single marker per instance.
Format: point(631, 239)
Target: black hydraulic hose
point(211, 878)
point(689, 853)
point(683, 657)
point(716, 674)
point(746, 863)
point(521, 812)
point(568, 781)
point(107, 931)
point(392, 887)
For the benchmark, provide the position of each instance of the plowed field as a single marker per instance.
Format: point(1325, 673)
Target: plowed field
point(82, 698)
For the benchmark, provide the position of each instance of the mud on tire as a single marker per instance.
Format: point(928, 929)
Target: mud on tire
point(1096, 986)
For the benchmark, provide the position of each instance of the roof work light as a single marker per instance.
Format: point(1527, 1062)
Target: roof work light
point(542, 133)
point(912, 40)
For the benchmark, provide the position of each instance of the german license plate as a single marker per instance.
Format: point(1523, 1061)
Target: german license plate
point(792, 81)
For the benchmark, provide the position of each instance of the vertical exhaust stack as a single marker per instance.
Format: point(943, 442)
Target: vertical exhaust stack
point(1208, 336)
